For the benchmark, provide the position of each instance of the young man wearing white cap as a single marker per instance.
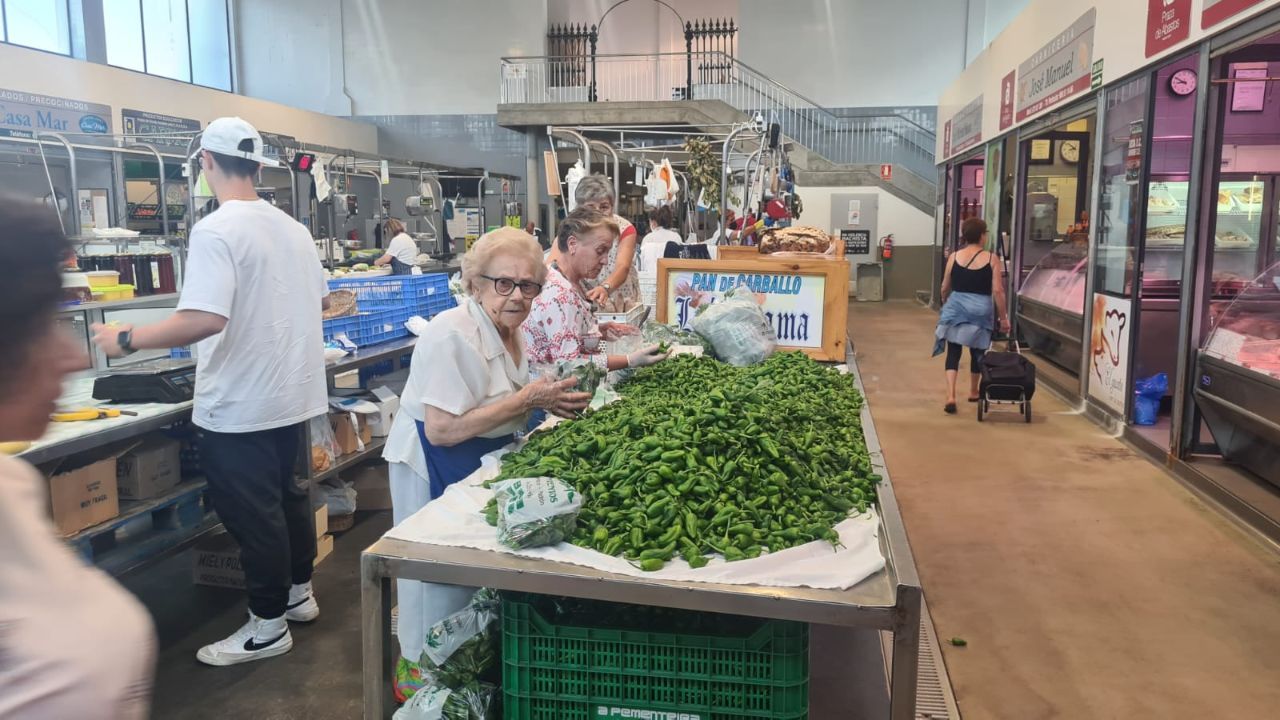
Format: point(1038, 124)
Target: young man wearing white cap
point(252, 298)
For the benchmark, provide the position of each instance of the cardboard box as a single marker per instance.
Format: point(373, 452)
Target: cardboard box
point(322, 520)
point(388, 407)
point(83, 496)
point(373, 490)
point(346, 428)
point(151, 469)
point(216, 561)
point(324, 546)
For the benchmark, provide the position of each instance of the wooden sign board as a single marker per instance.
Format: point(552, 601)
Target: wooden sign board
point(805, 299)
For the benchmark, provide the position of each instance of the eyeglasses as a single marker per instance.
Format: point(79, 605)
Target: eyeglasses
point(505, 286)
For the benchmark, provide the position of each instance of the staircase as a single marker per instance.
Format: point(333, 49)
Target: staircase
point(714, 89)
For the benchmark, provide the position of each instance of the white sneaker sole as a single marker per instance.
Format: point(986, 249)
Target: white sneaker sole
point(305, 613)
point(223, 660)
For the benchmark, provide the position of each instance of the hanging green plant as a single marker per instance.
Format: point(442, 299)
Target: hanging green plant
point(704, 170)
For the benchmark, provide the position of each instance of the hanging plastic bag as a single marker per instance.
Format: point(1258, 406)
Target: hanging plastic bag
point(324, 445)
point(469, 702)
point(737, 328)
point(535, 512)
point(575, 174)
point(463, 648)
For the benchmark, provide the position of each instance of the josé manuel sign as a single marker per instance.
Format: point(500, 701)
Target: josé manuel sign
point(25, 114)
point(1059, 70)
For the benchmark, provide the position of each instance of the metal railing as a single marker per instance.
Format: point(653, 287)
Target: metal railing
point(849, 140)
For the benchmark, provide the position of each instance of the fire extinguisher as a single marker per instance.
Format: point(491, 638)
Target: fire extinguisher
point(886, 247)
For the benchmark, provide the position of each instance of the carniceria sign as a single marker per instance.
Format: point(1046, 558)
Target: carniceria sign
point(1059, 70)
point(25, 114)
point(792, 303)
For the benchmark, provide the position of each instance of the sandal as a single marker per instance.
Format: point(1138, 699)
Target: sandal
point(949, 408)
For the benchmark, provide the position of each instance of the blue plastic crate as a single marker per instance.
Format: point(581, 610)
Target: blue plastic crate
point(349, 325)
point(385, 291)
point(379, 326)
point(432, 305)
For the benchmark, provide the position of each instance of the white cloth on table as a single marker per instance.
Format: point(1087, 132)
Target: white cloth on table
point(420, 605)
point(456, 519)
point(256, 266)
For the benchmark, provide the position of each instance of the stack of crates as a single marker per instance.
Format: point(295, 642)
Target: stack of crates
point(385, 302)
point(596, 660)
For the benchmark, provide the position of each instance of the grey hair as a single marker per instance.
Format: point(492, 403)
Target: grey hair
point(592, 188)
point(503, 241)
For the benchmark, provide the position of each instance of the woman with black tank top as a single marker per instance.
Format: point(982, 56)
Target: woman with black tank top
point(972, 282)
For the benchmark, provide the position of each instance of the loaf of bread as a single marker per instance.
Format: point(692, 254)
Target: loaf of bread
point(798, 238)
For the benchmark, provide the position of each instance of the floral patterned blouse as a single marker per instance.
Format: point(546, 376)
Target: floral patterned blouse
point(626, 295)
point(561, 325)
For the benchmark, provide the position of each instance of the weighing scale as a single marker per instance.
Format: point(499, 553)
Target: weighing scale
point(157, 381)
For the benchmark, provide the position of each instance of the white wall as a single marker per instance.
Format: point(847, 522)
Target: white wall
point(305, 71)
point(410, 57)
point(640, 26)
point(909, 225)
point(857, 53)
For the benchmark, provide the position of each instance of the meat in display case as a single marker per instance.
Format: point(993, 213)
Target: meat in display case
point(1051, 304)
point(1238, 378)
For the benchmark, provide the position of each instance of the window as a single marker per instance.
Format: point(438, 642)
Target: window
point(164, 34)
point(1123, 152)
point(122, 23)
point(210, 43)
point(187, 40)
point(39, 24)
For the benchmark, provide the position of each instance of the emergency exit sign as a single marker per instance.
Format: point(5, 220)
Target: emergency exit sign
point(886, 172)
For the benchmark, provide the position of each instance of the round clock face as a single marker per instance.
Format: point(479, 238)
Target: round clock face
point(1070, 150)
point(1183, 82)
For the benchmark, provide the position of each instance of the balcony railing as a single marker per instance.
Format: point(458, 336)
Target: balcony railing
point(855, 140)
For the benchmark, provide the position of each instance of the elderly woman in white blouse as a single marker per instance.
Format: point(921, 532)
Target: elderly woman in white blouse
point(467, 395)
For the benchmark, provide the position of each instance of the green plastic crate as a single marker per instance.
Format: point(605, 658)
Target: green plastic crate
point(576, 672)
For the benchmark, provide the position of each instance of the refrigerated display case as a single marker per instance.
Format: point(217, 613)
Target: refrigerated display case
point(1238, 377)
point(1051, 303)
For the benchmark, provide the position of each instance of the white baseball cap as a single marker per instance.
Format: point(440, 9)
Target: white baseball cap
point(224, 135)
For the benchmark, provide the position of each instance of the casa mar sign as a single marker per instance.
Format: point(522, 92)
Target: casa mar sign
point(25, 114)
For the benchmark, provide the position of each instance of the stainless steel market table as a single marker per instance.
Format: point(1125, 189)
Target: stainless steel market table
point(890, 600)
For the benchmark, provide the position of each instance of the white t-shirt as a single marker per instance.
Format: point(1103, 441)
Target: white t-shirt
point(653, 246)
point(73, 643)
point(459, 364)
point(403, 248)
point(256, 266)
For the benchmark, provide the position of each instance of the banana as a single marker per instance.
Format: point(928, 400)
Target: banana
point(88, 414)
point(13, 448)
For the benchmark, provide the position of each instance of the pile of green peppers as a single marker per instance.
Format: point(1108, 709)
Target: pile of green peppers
point(702, 458)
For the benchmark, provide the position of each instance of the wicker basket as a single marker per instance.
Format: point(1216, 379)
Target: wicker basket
point(341, 304)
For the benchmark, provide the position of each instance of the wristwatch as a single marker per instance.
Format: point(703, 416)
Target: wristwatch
point(125, 341)
point(607, 287)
